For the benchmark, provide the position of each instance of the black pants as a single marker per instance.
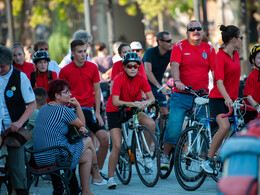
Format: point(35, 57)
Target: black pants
point(58, 188)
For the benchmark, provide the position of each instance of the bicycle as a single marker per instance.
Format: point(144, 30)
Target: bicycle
point(139, 147)
point(193, 146)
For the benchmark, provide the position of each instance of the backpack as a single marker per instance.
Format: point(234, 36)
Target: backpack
point(33, 77)
point(241, 163)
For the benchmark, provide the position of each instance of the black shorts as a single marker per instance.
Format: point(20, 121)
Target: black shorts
point(217, 106)
point(114, 119)
point(91, 121)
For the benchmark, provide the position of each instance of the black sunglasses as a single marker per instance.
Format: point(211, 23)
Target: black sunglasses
point(137, 50)
point(192, 29)
point(167, 41)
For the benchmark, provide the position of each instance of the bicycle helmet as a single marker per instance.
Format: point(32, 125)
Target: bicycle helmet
point(131, 57)
point(253, 51)
point(40, 55)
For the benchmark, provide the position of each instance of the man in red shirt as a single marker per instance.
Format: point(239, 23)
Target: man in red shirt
point(191, 60)
point(84, 79)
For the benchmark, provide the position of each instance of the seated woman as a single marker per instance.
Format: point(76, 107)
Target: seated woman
point(126, 90)
point(51, 127)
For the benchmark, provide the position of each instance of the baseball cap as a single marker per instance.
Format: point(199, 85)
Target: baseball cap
point(136, 45)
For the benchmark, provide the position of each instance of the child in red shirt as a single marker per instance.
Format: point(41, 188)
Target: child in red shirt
point(42, 76)
point(19, 56)
point(252, 87)
point(126, 89)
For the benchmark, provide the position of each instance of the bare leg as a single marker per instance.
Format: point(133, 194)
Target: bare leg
point(218, 138)
point(167, 148)
point(103, 138)
point(116, 137)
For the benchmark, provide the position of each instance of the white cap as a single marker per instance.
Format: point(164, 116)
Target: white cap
point(136, 45)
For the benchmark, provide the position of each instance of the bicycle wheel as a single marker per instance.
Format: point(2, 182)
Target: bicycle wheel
point(188, 158)
point(165, 173)
point(124, 166)
point(146, 154)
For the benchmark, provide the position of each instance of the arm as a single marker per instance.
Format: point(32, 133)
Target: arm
point(150, 75)
point(97, 103)
point(176, 76)
point(222, 90)
point(251, 100)
point(27, 113)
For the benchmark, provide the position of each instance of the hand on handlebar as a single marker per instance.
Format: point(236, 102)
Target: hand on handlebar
point(141, 105)
point(229, 102)
point(179, 85)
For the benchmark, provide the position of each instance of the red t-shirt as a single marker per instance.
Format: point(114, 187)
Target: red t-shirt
point(227, 70)
point(82, 81)
point(119, 67)
point(252, 86)
point(27, 67)
point(127, 89)
point(195, 63)
point(42, 79)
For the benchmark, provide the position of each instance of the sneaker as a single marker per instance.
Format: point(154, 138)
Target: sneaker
point(103, 182)
point(111, 184)
point(103, 175)
point(148, 165)
point(165, 162)
point(209, 167)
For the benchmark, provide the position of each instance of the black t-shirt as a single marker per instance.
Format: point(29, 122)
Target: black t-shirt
point(159, 63)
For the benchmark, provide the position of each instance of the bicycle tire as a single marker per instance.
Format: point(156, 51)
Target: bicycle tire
point(147, 172)
point(165, 173)
point(187, 168)
point(124, 166)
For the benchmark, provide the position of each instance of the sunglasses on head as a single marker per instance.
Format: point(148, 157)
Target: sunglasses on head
point(167, 41)
point(136, 50)
point(192, 29)
point(132, 66)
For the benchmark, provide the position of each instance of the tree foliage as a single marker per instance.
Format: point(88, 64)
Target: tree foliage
point(151, 8)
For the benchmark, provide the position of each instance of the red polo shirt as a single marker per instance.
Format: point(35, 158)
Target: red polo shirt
point(27, 67)
point(119, 67)
point(195, 63)
point(227, 70)
point(127, 89)
point(252, 86)
point(82, 81)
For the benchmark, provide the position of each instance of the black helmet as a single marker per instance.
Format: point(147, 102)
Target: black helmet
point(253, 51)
point(131, 57)
point(40, 55)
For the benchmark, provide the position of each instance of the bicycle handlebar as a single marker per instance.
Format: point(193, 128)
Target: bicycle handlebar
point(231, 110)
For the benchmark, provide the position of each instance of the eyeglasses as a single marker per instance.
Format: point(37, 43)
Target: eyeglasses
point(192, 29)
point(132, 66)
point(136, 50)
point(67, 92)
point(167, 41)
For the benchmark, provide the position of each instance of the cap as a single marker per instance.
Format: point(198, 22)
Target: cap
point(136, 45)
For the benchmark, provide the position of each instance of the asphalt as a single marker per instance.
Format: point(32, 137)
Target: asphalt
point(136, 187)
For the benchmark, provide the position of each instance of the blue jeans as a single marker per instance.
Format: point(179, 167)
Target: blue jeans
point(179, 104)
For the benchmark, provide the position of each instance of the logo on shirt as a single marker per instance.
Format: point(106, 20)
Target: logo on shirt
point(187, 54)
point(30, 89)
point(9, 93)
point(204, 55)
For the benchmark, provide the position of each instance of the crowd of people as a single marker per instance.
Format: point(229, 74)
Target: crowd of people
point(38, 95)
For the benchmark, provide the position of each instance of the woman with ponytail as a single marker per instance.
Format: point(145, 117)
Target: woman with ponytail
point(225, 90)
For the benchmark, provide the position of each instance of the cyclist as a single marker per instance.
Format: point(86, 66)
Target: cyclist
point(119, 67)
point(225, 90)
point(191, 60)
point(252, 87)
point(126, 89)
point(42, 76)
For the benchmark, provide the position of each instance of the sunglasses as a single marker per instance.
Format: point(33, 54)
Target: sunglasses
point(136, 50)
point(167, 41)
point(192, 29)
point(134, 66)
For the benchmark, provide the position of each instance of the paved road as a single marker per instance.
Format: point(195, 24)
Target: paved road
point(136, 187)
